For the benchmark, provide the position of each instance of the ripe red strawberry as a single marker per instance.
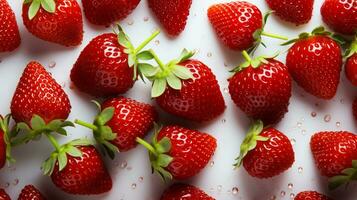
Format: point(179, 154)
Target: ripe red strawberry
point(297, 12)
point(77, 168)
point(57, 21)
point(179, 153)
point(4, 195)
point(37, 93)
point(29, 192)
point(107, 65)
point(335, 155)
point(315, 62)
point(120, 121)
point(9, 34)
point(228, 19)
point(172, 14)
point(351, 62)
point(261, 88)
point(5, 146)
point(181, 191)
point(311, 195)
point(185, 88)
point(341, 16)
point(109, 11)
point(265, 152)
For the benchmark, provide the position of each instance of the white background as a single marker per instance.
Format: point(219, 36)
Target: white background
point(217, 179)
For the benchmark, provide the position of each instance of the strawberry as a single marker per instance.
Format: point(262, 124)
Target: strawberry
point(185, 88)
point(120, 121)
point(5, 146)
point(181, 191)
point(341, 16)
point(37, 93)
point(29, 192)
point(172, 14)
point(311, 195)
point(351, 62)
point(9, 34)
point(335, 155)
point(315, 62)
point(261, 87)
point(108, 65)
point(265, 152)
point(297, 12)
point(4, 195)
point(77, 168)
point(179, 153)
point(228, 19)
point(109, 11)
point(57, 21)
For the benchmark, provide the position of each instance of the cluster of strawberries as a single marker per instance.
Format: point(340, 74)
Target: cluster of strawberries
point(110, 65)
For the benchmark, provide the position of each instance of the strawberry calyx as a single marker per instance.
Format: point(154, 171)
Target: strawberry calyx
point(317, 31)
point(61, 152)
point(170, 74)
point(103, 134)
point(257, 35)
point(134, 54)
point(35, 5)
point(353, 48)
point(38, 127)
point(250, 141)
point(347, 175)
point(253, 62)
point(159, 154)
point(5, 128)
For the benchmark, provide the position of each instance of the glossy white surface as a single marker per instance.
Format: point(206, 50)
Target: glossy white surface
point(130, 171)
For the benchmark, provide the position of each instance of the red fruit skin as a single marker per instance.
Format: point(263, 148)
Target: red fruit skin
point(351, 69)
point(354, 108)
point(333, 151)
point(311, 195)
point(37, 93)
point(235, 23)
point(191, 150)
point(199, 99)
point(9, 31)
point(294, 11)
point(131, 119)
point(315, 64)
point(29, 192)
point(270, 158)
point(172, 14)
point(264, 92)
point(2, 149)
point(105, 12)
point(4, 195)
point(83, 176)
point(340, 15)
point(102, 68)
point(181, 191)
point(64, 27)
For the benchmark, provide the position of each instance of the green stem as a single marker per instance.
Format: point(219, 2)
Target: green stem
point(159, 62)
point(53, 141)
point(146, 145)
point(246, 56)
point(85, 124)
point(142, 45)
point(274, 36)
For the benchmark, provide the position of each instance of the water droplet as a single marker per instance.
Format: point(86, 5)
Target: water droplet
point(209, 54)
point(313, 114)
point(303, 132)
point(131, 22)
point(342, 101)
point(290, 186)
point(299, 124)
point(293, 141)
point(52, 64)
point(141, 179)
point(211, 163)
point(124, 165)
point(15, 182)
point(226, 90)
point(327, 118)
point(292, 196)
point(300, 169)
point(133, 186)
point(235, 190)
point(219, 188)
point(338, 124)
point(282, 193)
point(224, 121)
point(146, 19)
point(273, 197)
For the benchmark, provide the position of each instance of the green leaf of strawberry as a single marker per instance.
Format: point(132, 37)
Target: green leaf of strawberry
point(47, 5)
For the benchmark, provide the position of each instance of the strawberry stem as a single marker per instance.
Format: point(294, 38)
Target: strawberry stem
point(85, 124)
point(147, 41)
point(156, 58)
point(146, 145)
point(53, 141)
point(246, 56)
point(274, 36)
